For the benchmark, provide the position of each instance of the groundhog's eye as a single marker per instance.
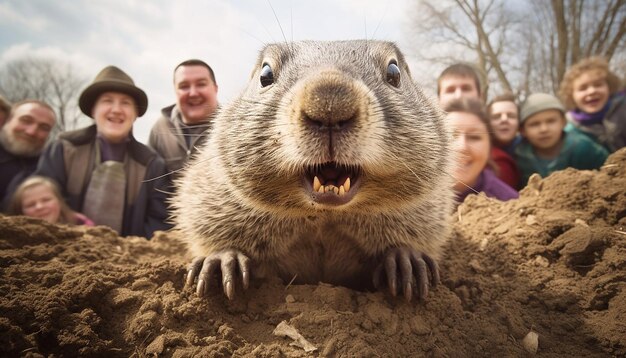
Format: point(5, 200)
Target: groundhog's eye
point(267, 76)
point(393, 74)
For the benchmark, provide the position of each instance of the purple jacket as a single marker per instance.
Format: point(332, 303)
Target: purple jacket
point(493, 187)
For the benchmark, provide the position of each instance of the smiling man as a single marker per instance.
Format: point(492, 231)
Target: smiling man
point(103, 170)
point(181, 128)
point(458, 81)
point(22, 140)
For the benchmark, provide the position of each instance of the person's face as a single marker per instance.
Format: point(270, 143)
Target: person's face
point(28, 129)
point(591, 91)
point(114, 113)
point(196, 94)
point(3, 117)
point(471, 141)
point(544, 129)
point(454, 87)
point(40, 202)
point(503, 116)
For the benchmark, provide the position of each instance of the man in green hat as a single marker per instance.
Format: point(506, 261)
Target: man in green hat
point(104, 171)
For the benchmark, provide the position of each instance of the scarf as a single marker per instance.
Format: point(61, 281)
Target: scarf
point(587, 119)
point(112, 151)
point(105, 195)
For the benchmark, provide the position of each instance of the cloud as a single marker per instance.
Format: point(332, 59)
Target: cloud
point(12, 15)
point(148, 39)
point(78, 60)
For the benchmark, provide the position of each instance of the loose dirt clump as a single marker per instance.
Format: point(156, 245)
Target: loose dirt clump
point(552, 262)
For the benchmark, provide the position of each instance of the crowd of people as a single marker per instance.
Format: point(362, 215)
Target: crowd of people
point(101, 175)
point(500, 145)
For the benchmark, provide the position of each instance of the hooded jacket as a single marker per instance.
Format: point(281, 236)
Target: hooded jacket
point(169, 136)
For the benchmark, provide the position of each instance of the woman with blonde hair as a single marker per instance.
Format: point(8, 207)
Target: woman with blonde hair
point(40, 197)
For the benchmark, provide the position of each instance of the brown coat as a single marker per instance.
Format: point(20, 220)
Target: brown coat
point(70, 161)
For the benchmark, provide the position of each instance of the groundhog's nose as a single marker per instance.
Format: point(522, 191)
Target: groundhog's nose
point(330, 101)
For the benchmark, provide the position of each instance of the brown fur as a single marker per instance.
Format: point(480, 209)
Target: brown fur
point(245, 190)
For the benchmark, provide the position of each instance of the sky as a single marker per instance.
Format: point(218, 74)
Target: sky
point(147, 39)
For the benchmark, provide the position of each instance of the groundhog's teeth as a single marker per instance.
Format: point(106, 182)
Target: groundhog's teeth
point(318, 187)
point(346, 185)
point(316, 184)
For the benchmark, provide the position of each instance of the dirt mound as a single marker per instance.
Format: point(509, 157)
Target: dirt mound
point(553, 262)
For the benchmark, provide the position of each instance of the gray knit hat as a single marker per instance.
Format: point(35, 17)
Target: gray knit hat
point(539, 102)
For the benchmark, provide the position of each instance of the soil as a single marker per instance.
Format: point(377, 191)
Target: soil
point(552, 262)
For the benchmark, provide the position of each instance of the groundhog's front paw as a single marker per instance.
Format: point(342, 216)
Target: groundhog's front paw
point(229, 262)
point(414, 268)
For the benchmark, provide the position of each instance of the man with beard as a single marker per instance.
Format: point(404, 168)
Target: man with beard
point(5, 109)
point(22, 139)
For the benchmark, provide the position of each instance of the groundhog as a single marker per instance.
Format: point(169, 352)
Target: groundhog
point(331, 166)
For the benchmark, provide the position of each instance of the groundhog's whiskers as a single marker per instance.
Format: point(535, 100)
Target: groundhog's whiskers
point(268, 105)
point(278, 22)
point(398, 160)
point(166, 132)
point(190, 135)
point(197, 162)
point(254, 37)
point(463, 183)
point(164, 191)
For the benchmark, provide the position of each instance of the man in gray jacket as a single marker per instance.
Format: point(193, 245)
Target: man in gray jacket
point(184, 126)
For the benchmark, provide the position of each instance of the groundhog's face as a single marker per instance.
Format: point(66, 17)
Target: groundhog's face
point(330, 126)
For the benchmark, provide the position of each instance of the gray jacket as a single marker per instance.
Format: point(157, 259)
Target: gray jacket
point(167, 138)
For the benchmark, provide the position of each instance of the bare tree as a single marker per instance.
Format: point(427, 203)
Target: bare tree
point(582, 28)
point(520, 47)
point(52, 81)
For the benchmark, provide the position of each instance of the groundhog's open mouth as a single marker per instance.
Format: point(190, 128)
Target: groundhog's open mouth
point(331, 183)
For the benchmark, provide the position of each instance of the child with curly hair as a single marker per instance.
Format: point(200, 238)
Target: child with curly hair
point(596, 107)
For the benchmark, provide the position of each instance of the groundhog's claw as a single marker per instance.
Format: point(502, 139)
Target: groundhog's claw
point(229, 262)
point(413, 267)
